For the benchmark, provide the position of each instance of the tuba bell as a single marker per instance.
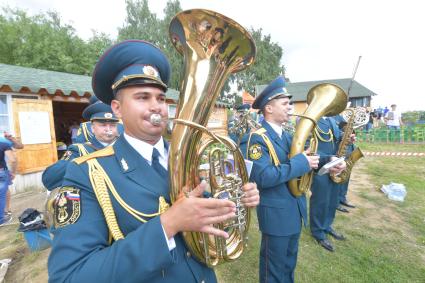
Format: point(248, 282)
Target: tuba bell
point(323, 100)
point(213, 47)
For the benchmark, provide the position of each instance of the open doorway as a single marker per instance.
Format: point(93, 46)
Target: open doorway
point(67, 115)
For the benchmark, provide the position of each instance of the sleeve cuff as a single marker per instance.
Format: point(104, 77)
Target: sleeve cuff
point(170, 242)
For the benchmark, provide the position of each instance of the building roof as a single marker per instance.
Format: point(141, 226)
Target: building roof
point(299, 90)
point(37, 80)
point(42, 81)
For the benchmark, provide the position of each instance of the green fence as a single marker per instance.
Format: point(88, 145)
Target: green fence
point(404, 135)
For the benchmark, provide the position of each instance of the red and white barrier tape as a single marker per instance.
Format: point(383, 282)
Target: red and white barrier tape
point(387, 153)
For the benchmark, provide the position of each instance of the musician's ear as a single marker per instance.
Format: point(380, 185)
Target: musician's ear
point(268, 109)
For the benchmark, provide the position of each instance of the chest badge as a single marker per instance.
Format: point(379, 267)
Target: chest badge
point(255, 152)
point(124, 164)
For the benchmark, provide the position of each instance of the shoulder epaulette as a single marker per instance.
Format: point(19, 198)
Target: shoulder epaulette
point(260, 131)
point(107, 151)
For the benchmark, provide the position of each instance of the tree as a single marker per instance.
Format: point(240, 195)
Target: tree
point(266, 66)
point(43, 41)
point(176, 60)
point(140, 23)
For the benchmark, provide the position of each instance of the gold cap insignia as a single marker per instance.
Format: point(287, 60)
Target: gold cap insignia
point(150, 71)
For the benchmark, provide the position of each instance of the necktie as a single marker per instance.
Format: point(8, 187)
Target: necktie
point(157, 166)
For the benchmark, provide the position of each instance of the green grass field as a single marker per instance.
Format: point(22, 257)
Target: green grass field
point(386, 239)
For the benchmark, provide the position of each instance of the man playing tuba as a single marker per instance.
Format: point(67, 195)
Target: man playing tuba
point(121, 226)
point(280, 214)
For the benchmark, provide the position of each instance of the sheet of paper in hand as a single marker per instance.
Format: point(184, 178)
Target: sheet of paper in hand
point(325, 168)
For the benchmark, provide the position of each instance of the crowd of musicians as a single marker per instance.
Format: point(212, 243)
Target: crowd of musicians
point(113, 219)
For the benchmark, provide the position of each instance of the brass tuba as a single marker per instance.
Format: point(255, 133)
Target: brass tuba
point(213, 47)
point(323, 100)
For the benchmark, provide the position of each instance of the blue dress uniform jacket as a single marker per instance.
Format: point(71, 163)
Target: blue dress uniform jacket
point(279, 212)
point(324, 198)
point(82, 251)
point(53, 175)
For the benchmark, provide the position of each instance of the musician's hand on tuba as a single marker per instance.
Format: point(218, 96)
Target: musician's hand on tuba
point(251, 196)
point(196, 214)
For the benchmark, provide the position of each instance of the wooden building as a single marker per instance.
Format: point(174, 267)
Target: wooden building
point(38, 106)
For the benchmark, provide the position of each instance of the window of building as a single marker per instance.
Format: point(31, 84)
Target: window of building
point(172, 110)
point(6, 113)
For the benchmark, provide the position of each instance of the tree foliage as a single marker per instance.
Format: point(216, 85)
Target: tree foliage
point(266, 66)
point(43, 41)
point(413, 117)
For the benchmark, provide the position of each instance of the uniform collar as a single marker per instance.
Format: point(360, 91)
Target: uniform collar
point(276, 128)
point(145, 149)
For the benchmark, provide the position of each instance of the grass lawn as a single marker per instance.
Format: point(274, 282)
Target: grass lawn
point(386, 239)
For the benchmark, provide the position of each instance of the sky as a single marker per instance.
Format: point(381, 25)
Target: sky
point(320, 39)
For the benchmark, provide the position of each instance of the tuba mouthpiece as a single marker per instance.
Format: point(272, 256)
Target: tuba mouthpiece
point(156, 119)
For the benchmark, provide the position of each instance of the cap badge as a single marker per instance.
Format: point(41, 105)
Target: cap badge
point(108, 115)
point(150, 71)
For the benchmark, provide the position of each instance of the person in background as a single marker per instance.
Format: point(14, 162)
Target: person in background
point(385, 111)
point(73, 131)
point(239, 127)
point(393, 121)
point(280, 214)
point(369, 125)
point(324, 192)
point(393, 118)
point(104, 129)
point(85, 133)
point(7, 174)
point(15, 143)
point(120, 224)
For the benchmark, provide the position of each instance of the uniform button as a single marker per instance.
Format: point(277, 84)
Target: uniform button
point(188, 254)
point(203, 281)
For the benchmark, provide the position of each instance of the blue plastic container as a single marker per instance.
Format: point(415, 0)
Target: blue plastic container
point(38, 240)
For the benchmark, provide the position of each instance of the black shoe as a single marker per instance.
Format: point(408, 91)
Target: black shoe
point(347, 204)
point(336, 236)
point(342, 209)
point(326, 244)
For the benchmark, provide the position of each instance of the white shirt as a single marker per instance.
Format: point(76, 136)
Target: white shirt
point(396, 118)
point(276, 128)
point(145, 150)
